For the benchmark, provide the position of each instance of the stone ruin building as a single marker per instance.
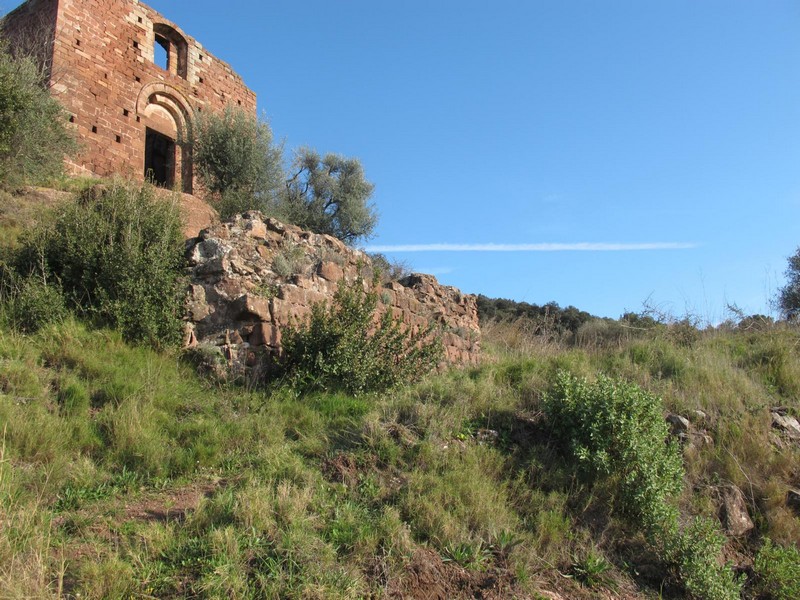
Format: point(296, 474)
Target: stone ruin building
point(130, 80)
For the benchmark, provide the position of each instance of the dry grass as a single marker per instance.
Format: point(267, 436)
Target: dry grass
point(332, 496)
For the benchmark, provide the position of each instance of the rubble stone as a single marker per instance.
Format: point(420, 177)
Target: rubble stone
point(733, 511)
point(786, 424)
point(678, 424)
point(237, 301)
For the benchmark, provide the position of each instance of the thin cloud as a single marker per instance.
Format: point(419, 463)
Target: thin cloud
point(570, 247)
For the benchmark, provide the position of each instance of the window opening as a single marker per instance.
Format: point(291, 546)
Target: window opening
point(170, 51)
point(161, 52)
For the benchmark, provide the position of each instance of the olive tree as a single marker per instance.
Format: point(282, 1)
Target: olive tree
point(789, 295)
point(237, 160)
point(34, 138)
point(330, 195)
point(241, 169)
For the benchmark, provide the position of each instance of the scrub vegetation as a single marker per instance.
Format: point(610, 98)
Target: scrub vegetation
point(546, 468)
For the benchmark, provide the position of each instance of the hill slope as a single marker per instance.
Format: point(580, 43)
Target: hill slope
point(123, 474)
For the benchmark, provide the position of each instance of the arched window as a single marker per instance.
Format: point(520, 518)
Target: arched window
point(170, 50)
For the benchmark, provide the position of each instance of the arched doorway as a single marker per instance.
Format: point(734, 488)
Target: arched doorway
point(166, 117)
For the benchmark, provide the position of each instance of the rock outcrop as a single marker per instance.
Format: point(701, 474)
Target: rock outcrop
point(785, 423)
point(733, 511)
point(253, 276)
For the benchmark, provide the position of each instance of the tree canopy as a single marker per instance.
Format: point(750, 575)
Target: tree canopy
point(789, 295)
point(241, 168)
point(237, 160)
point(34, 138)
point(329, 195)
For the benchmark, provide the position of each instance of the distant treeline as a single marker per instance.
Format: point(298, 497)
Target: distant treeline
point(573, 326)
point(550, 315)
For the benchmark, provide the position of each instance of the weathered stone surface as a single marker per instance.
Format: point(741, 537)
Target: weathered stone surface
point(786, 424)
point(197, 214)
point(733, 511)
point(678, 424)
point(207, 250)
point(330, 271)
point(252, 307)
point(196, 306)
point(257, 229)
point(266, 334)
point(235, 289)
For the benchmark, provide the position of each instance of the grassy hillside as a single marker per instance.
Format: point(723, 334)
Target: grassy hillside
point(124, 474)
point(548, 471)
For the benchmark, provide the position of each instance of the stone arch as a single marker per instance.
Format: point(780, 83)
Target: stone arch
point(167, 117)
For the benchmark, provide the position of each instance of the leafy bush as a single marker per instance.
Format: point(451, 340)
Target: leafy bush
point(389, 269)
point(344, 347)
point(617, 430)
point(617, 433)
point(241, 168)
point(33, 135)
point(778, 570)
point(118, 257)
point(29, 303)
point(291, 260)
point(593, 570)
point(237, 161)
point(548, 316)
point(694, 552)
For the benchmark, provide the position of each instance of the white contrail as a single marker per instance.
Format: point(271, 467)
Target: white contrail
point(570, 247)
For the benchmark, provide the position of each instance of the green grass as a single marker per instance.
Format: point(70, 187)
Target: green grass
point(125, 474)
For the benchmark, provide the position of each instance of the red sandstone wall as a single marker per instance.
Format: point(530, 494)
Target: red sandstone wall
point(103, 72)
point(251, 277)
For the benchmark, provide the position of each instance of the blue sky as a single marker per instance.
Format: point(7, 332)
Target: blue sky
point(673, 123)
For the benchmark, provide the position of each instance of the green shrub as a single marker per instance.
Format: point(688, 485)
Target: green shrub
point(778, 571)
point(389, 269)
point(235, 202)
point(34, 138)
point(788, 299)
point(342, 347)
point(694, 552)
point(616, 430)
point(618, 435)
point(29, 303)
point(118, 257)
point(291, 260)
point(593, 570)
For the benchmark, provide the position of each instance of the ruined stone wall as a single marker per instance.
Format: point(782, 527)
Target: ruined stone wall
point(103, 72)
point(252, 277)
